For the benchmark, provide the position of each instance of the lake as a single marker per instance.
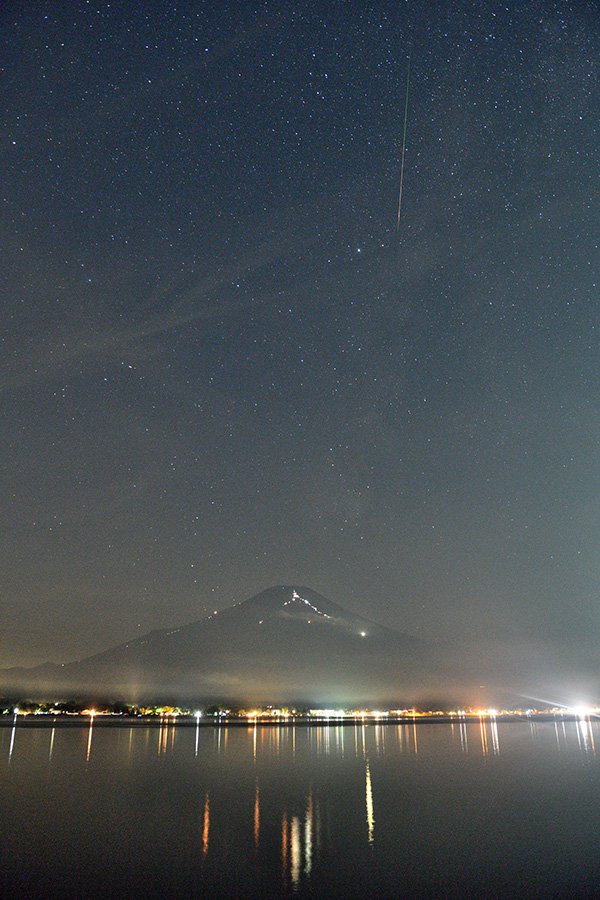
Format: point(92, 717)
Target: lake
point(486, 808)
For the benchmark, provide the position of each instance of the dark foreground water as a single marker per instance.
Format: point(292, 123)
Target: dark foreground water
point(480, 809)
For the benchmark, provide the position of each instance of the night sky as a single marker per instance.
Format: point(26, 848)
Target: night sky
point(223, 367)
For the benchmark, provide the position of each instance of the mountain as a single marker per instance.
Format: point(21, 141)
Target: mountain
point(286, 644)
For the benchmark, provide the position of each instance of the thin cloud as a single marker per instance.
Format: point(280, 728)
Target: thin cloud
point(202, 301)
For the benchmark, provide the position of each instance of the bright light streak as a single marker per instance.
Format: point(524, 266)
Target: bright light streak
point(308, 832)
point(369, 805)
point(12, 743)
point(295, 851)
point(88, 751)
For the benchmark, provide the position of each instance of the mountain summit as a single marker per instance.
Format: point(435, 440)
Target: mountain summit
point(286, 644)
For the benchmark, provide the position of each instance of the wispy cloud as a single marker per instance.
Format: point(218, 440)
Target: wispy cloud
point(180, 303)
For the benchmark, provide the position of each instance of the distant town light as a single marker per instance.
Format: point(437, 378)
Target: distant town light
point(363, 634)
point(582, 711)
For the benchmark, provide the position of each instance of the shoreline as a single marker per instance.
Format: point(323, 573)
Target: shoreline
point(114, 721)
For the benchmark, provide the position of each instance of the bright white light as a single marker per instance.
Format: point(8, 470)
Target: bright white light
point(582, 711)
point(363, 634)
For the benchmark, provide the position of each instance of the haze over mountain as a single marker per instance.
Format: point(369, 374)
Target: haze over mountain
point(290, 644)
point(286, 643)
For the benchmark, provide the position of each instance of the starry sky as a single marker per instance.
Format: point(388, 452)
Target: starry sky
point(223, 367)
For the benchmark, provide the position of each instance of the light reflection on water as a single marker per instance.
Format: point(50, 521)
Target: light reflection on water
point(308, 832)
point(331, 740)
point(585, 735)
point(295, 799)
point(298, 844)
point(256, 816)
point(13, 734)
point(205, 825)
point(369, 805)
point(464, 737)
point(88, 749)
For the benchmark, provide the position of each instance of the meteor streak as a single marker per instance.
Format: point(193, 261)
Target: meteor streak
point(403, 146)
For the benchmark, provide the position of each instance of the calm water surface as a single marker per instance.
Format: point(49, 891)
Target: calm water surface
point(478, 809)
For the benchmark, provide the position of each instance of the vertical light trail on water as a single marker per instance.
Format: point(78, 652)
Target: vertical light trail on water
point(369, 805)
point(308, 834)
point(483, 736)
point(295, 851)
point(464, 738)
point(205, 825)
point(495, 740)
point(285, 839)
point(89, 742)
point(12, 740)
point(256, 816)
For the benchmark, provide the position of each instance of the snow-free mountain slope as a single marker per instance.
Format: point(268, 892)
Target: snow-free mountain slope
point(286, 643)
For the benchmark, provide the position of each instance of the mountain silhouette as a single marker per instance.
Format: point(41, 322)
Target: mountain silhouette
point(287, 644)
